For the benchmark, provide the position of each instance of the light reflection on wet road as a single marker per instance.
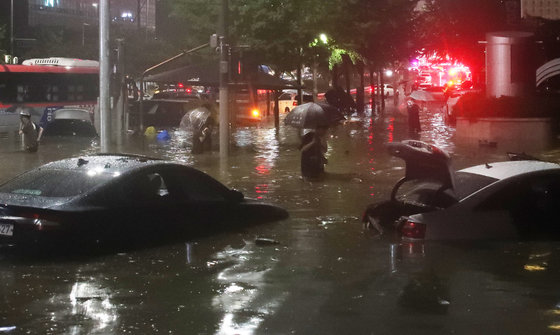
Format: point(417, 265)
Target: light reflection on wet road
point(325, 276)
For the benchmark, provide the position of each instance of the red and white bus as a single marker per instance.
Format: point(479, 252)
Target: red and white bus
point(45, 85)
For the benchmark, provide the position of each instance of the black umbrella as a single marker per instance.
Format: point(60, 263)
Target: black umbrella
point(313, 115)
point(339, 98)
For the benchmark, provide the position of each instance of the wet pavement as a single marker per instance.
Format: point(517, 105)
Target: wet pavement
point(318, 272)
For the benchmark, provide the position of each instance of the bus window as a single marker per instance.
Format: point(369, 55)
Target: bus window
point(22, 93)
point(70, 96)
point(80, 92)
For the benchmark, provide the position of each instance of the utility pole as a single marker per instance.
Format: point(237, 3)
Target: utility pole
point(121, 107)
point(138, 11)
point(104, 75)
point(223, 67)
point(12, 28)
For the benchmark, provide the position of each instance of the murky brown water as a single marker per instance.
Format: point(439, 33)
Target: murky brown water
point(326, 275)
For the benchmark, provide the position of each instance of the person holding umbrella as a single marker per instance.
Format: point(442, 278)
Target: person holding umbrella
point(200, 122)
point(318, 116)
point(313, 148)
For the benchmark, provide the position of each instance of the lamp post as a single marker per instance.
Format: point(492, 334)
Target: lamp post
point(321, 40)
point(12, 27)
point(104, 75)
point(224, 76)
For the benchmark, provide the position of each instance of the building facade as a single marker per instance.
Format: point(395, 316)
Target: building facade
point(73, 14)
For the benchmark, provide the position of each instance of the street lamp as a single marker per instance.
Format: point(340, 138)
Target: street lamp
point(324, 40)
point(12, 27)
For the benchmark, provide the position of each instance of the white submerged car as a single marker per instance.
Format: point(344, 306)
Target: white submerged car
point(512, 200)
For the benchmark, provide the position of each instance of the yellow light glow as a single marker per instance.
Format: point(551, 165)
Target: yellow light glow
point(255, 113)
point(534, 267)
point(554, 326)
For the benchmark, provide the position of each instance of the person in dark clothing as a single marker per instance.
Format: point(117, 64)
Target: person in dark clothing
point(29, 130)
point(313, 147)
point(202, 138)
point(414, 118)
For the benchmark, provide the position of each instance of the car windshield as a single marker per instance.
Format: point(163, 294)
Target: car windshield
point(54, 183)
point(70, 127)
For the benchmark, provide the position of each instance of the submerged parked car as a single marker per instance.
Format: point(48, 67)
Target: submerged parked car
point(114, 199)
point(503, 200)
point(71, 122)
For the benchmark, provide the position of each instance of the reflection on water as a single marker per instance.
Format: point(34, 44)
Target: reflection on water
point(92, 303)
point(245, 300)
point(324, 276)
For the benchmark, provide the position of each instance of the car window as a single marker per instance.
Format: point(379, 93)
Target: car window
point(197, 186)
point(426, 193)
point(146, 187)
point(536, 194)
point(70, 127)
point(54, 183)
point(468, 183)
point(532, 204)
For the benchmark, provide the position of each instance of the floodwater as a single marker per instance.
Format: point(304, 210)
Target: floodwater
point(318, 272)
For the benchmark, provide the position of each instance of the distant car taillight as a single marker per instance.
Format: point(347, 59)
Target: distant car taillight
point(410, 229)
point(294, 103)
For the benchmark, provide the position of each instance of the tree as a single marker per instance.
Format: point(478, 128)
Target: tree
point(189, 23)
point(279, 31)
point(378, 30)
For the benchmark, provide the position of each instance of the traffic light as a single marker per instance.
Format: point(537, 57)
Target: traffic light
point(243, 65)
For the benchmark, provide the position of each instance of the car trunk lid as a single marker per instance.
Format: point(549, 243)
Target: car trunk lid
point(424, 162)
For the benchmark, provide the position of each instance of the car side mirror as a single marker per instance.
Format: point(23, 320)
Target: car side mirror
point(235, 196)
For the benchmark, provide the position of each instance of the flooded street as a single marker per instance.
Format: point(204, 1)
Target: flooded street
point(318, 272)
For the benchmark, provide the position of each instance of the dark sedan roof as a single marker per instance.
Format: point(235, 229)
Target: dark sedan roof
point(47, 185)
point(109, 163)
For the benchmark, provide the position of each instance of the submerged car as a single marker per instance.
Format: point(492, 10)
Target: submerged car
point(71, 122)
point(108, 199)
point(504, 200)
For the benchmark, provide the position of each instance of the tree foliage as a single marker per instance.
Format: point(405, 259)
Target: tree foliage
point(379, 30)
point(281, 31)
